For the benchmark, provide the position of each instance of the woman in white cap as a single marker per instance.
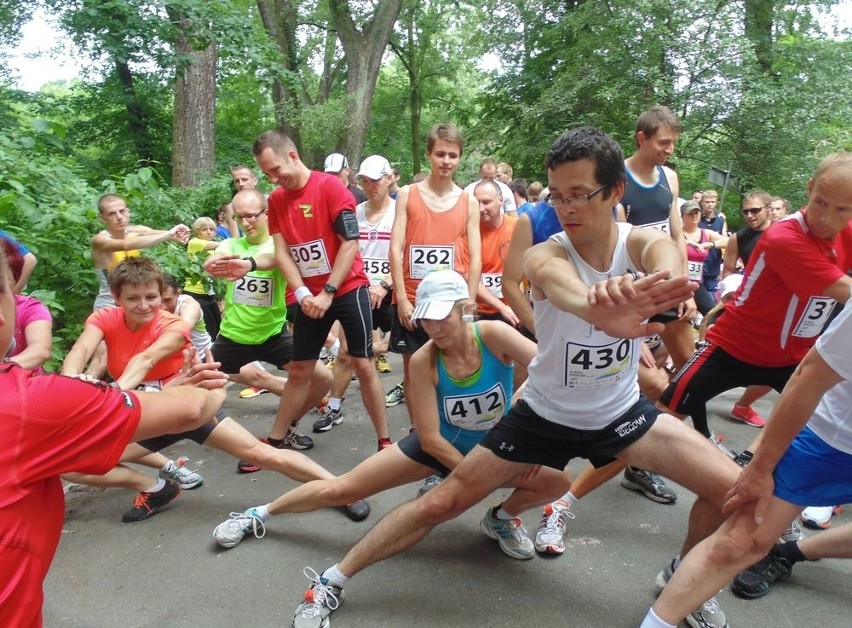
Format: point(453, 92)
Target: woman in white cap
point(462, 388)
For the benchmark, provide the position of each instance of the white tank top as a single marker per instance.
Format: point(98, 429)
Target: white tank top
point(374, 243)
point(582, 377)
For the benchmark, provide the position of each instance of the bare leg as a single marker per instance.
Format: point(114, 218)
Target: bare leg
point(117, 477)
point(372, 394)
point(738, 544)
point(175, 410)
point(307, 384)
point(380, 472)
point(474, 479)
point(753, 393)
point(679, 341)
point(542, 488)
point(590, 478)
point(250, 375)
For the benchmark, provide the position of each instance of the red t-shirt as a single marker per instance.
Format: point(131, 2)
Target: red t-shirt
point(122, 343)
point(779, 310)
point(305, 218)
point(49, 425)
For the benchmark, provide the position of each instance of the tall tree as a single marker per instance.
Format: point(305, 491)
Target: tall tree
point(364, 48)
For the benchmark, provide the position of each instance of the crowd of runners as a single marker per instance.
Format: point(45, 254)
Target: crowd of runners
point(590, 318)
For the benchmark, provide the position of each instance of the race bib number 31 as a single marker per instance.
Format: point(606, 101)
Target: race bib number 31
point(311, 258)
point(588, 367)
point(255, 291)
point(476, 412)
point(427, 259)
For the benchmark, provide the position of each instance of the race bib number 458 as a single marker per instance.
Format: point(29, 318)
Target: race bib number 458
point(597, 366)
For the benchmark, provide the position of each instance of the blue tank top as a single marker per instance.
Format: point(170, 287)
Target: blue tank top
point(468, 408)
point(648, 206)
point(543, 221)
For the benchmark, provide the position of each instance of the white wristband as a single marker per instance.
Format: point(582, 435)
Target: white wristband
point(302, 292)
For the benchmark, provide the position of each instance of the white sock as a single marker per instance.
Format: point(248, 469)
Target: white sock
point(502, 515)
point(567, 501)
point(262, 512)
point(334, 577)
point(334, 403)
point(158, 486)
point(258, 365)
point(335, 348)
point(652, 621)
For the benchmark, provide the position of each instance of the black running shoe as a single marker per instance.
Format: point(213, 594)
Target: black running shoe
point(649, 484)
point(147, 504)
point(357, 511)
point(756, 581)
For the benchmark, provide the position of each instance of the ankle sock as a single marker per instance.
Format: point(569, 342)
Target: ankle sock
point(334, 577)
point(790, 551)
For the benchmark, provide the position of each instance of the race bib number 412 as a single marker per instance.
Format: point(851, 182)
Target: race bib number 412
point(479, 411)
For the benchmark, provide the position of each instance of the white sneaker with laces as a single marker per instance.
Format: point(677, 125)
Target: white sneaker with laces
point(229, 533)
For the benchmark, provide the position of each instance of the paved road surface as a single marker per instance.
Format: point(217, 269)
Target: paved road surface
point(168, 571)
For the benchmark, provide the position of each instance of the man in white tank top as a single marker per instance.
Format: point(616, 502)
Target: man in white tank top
point(582, 398)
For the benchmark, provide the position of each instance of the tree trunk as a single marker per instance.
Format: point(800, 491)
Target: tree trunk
point(137, 118)
point(280, 18)
point(758, 30)
point(364, 50)
point(194, 122)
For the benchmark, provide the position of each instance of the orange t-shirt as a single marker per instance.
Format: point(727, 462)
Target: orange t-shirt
point(433, 240)
point(123, 343)
point(495, 245)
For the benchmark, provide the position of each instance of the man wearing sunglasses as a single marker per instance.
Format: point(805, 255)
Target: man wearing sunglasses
point(756, 208)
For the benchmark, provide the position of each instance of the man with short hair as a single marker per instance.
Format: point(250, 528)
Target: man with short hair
point(651, 201)
point(393, 186)
point(780, 208)
point(519, 191)
point(375, 222)
point(488, 172)
point(582, 397)
point(313, 224)
point(756, 208)
point(436, 227)
point(715, 221)
point(338, 165)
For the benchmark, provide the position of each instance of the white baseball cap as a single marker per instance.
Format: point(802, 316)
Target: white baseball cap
point(438, 293)
point(335, 163)
point(729, 285)
point(374, 167)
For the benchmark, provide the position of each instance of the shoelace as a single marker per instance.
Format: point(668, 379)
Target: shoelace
point(141, 501)
point(710, 607)
point(320, 594)
point(557, 519)
point(238, 521)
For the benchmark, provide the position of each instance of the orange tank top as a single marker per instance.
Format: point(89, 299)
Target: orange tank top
point(433, 240)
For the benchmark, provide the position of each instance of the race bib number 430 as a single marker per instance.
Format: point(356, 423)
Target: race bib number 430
point(597, 366)
point(479, 411)
point(427, 259)
point(311, 258)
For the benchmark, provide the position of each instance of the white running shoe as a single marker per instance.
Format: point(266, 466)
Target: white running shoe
point(551, 531)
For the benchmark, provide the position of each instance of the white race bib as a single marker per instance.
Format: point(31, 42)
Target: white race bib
point(494, 283)
point(377, 269)
point(814, 317)
point(695, 270)
point(588, 366)
point(428, 259)
point(255, 291)
point(311, 258)
point(476, 412)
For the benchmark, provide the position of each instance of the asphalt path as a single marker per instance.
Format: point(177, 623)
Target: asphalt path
point(168, 571)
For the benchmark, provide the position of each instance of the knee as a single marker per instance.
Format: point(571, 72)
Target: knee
point(734, 546)
point(337, 492)
point(301, 370)
point(438, 506)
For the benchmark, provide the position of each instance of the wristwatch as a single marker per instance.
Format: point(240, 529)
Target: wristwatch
point(330, 289)
point(385, 285)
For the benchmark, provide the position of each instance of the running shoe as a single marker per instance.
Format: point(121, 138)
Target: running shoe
point(549, 539)
point(331, 363)
point(296, 440)
point(792, 533)
point(251, 392)
point(384, 443)
point(321, 599)
point(708, 615)
point(147, 504)
point(328, 420)
point(357, 511)
point(649, 484)
point(382, 364)
point(743, 458)
point(756, 581)
point(819, 517)
point(509, 534)
point(176, 471)
point(718, 439)
point(229, 533)
point(395, 396)
point(429, 483)
point(747, 415)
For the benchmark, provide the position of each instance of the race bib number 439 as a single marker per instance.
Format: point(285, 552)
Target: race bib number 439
point(311, 258)
point(479, 411)
point(427, 259)
point(597, 366)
